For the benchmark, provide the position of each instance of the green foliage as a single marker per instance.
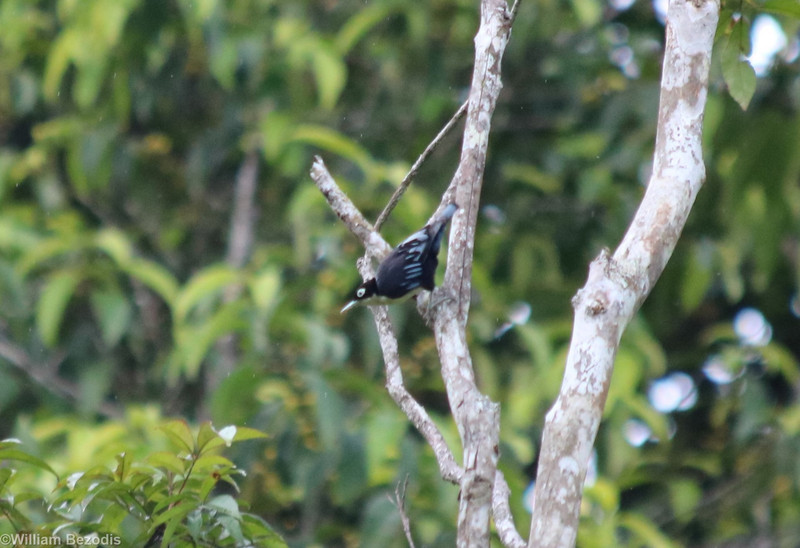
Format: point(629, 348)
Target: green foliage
point(172, 495)
point(123, 129)
point(737, 71)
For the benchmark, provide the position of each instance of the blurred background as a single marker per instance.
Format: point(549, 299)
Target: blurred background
point(164, 253)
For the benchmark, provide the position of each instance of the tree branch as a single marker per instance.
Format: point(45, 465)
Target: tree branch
point(415, 168)
point(616, 286)
point(47, 376)
point(348, 212)
point(503, 520)
point(476, 416)
point(399, 501)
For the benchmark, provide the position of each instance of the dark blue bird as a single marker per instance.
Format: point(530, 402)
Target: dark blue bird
point(409, 268)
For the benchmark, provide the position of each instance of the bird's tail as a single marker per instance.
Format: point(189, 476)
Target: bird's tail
point(438, 224)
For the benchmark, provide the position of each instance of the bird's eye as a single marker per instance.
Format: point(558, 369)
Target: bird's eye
point(360, 292)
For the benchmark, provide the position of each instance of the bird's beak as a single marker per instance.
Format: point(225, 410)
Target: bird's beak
point(348, 306)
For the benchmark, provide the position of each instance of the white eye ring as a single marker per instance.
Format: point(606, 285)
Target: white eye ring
point(360, 292)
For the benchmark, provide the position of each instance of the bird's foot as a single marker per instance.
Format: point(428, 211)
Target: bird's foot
point(434, 299)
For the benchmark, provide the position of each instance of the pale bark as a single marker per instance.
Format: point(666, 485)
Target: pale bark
point(476, 417)
point(618, 284)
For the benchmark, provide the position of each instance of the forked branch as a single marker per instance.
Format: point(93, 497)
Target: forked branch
point(617, 285)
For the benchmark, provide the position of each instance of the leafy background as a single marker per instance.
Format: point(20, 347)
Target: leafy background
point(124, 124)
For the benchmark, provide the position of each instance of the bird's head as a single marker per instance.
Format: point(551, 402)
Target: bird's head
point(363, 294)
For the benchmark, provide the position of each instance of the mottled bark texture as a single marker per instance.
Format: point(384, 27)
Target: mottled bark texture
point(483, 488)
point(619, 283)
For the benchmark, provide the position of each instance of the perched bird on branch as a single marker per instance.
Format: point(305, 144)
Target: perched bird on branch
point(409, 268)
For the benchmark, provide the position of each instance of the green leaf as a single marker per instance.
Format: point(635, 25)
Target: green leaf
point(228, 516)
point(224, 61)
point(192, 342)
point(89, 160)
point(57, 63)
point(244, 433)
point(89, 80)
point(384, 430)
point(226, 504)
point(737, 71)
point(782, 7)
point(333, 141)
point(364, 20)
point(5, 475)
point(277, 128)
point(213, 462)
point(258, 529)
point(645, 531)
point(124, 462)
point(697, 276)
point(154, 276)
point(207, 438)
point(529, 174)
point(115, 244)
point(208, 483)
point(17, 236)
point(13, 515)
point(330, 73)
point(782, 360)
point(265, 287)
point(586, 145)
point(44, 251)
point(173, 517)
point(330, 410)
point(588, 12)
point(657, 422)
point(206, 283)
point(685, 496)
point(180, 435)
point(604, 493)
point(234, 399)
point(52, 304)
point(12, 452)
point(167, 461)
point(113, 312)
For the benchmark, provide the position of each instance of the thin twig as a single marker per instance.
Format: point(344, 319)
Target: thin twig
point(501, 511)
point(513, 12)
point(415, 168)
point(399, 501)
point(47, 377)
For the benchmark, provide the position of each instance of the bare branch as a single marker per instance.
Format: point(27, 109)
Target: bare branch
point(400, 501)
point(243, 214)
point(415, 168)
point(476, 416)
point(448, 467)
point(346, 211)
point(465, 188)
point(616, 286)
point(47, 376)
point(503, 520)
